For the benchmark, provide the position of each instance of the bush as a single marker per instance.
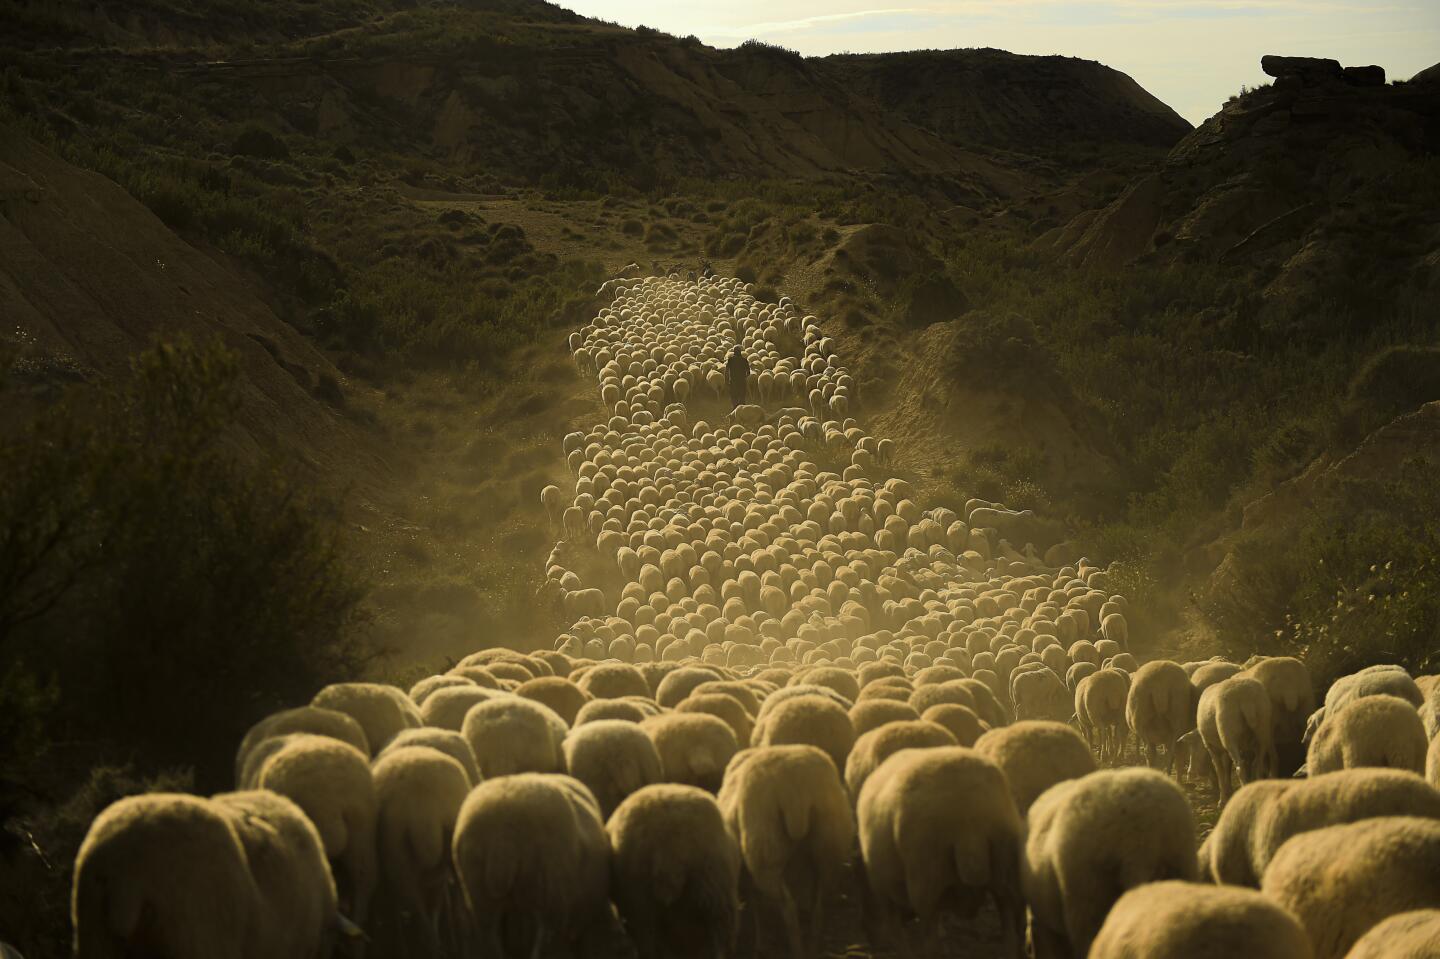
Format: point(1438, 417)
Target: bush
point(168, 589)
point(1355, 584)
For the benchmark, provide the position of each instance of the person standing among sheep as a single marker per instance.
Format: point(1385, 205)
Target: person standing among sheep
point(737, 371)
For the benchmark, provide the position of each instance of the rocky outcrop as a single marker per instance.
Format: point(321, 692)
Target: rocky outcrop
point(1306, 69)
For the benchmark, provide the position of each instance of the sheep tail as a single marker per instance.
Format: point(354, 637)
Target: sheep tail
point(796, 812)
point(1290, 697)
point(122, 907)
point(1251, 711)
point(668, 881)
point(428, 844)
point(972, 860)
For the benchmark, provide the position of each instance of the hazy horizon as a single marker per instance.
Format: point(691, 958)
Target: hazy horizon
point(1192, 55)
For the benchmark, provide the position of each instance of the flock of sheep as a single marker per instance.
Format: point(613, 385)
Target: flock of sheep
point(788, 683)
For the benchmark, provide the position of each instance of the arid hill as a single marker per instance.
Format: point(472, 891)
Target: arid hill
point(1053, 106)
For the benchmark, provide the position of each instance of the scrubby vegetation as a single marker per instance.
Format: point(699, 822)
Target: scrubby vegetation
point(147, 566)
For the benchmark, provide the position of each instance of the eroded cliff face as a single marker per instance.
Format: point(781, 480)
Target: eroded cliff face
point(1279, 180)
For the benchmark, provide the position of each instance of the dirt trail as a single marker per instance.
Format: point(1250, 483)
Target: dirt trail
point(739, 500)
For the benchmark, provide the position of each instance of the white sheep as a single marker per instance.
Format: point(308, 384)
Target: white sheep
point(1094, 838)
point(1292, 700)
point(694, 748)
point(381, 710)
point(874, 747)
point(613, 758)
point(303, 719)
point(1041, 694)
point(961, 721)
point(1331, 799)
point(331, 782)
point(1235, 726)
point(1036, 754)
point(1343, 880)
point(241, 875)
point(1381, 680)
point(810, 720)
point(787, 811)
point(1101, 697)
point(418, 792)
point(1160, 708)
point(1376, 730)
point(513, 735)
point(445, 741)
point(1408, 935)
point(676, 872)
point(533, 861)
point(921, 858)
point(1184, 920)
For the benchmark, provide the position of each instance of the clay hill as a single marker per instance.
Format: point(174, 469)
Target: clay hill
point(1292, 179)
point(1048, 105)
point(92, 277)
point(529, 89)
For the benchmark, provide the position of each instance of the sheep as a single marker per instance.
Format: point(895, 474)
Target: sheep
point(613, 758)
point(1342, 880)
point(878, 745)
point(1182, 920)
point(694, 748)
point(1229, 858)
point(1248, 838)
point(787, 811)
point(533, 860)
point(424, 688)
point(1093, 839)
point(1035, 754)
point(303, 719)
point(514, 735)
point(920, 857)
point(446, 708)
point(561, 695)
point(1042, 695)
point(1379, 730)
point(382, 711)
point(286, 859)
point(1235, 726)
point(418, 792)
point(1160, 708)
point(961, 721)
point(1292, 700)
point(1372, 681)
point(331, 782)
point(1408, 935)
point(1102, 697)
point(676, 872)
point(813, 720)
point(164, 874)
point(681, 682)
point(722, 706)
point(598, 709)
point(445, 741)
point(612, 680)
point(1192, 762)
point(874, 713)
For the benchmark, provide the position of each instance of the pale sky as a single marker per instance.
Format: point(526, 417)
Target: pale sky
point(1190, 53)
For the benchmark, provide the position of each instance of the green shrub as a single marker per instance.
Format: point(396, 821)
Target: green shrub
point(1353, 585)
point(144, 563)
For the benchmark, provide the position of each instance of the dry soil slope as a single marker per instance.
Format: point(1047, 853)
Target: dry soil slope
point(1029, 104)
point(94, 277)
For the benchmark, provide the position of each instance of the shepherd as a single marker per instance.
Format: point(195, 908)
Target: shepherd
point(738, 370)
